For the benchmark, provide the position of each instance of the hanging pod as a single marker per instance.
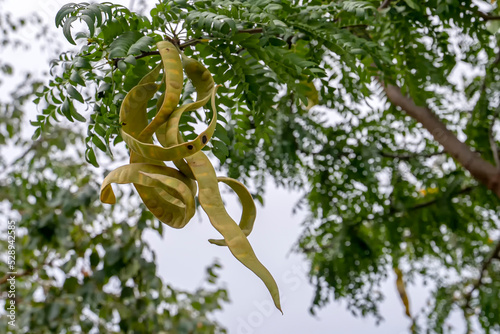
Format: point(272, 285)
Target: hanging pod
point(169, 193)
point(133, 118)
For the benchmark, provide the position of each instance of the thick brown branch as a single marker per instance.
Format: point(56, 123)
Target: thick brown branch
point(480, 169)
point(487, 17)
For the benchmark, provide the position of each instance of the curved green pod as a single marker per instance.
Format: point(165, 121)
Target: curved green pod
point(174, 80)
point(177, 208)
point(200, 77)
point(152, 76)
point(204, 84)
point(178, 151)
point(168, 193)
point(209, 195)
point(249, 213)
point(237, 242)
point(133, 117)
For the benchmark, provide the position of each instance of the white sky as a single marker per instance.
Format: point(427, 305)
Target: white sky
point(184, 254)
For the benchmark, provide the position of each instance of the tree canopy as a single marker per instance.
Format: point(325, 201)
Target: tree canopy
point(383, 113)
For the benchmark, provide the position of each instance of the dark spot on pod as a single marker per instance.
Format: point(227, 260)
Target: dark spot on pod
point(190, 147)
point(204, 139)
point(123, 123)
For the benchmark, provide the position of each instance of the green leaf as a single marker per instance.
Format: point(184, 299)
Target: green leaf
point(130, 60)
point(412, 4)
point(71, 284)
point(90, 157)
point(66, 109)
point(76, 78)
point(220, 150)
point(142, 44)
point(279, 23)
point(37, 133)
point(81, 62)
point(120, 46)
point(75, 94)
point(94, 259)
point(99, 143)
point(63, 12)
point(67, 29)
point(90, 23)
point(76, 115)
point(122, 66)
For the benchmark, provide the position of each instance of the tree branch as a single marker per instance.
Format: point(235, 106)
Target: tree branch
point(6, 277)
point(434, 201)
point(487, 17)
point(384, 4)
point(187, 43)
point(251, 31)
point(494, 255)
point(493, 145)
point(480, 169)
point(409, 156)
point(142, 55)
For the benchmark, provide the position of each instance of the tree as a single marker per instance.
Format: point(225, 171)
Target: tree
point(399, 160)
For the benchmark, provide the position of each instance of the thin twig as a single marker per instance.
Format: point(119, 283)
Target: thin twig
point(8, 276)
point(355, 26)
point(142, 55)
point(434, 201)
point(392, 211)
point(384, 4)
point(193, 41)
point(494, 255)
point(251, 31)
point(187, 43)
point(409, 156)
point(497, 59)
point(494, 148)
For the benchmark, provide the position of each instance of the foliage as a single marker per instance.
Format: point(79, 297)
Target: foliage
point(78, 267)
point(366, 167)
point(82, 267)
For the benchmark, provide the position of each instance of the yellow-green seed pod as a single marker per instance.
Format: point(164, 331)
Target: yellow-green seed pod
point(249, 212)
point(179, 151)
point(133, 115)
point(177, 206)
point(173, 77)
point(200, 77)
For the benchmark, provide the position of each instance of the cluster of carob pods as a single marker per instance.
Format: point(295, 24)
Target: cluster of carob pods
point(168, 192)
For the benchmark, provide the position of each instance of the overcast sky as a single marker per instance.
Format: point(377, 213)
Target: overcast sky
point(184, 254)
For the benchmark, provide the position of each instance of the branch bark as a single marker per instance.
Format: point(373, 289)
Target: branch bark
point(384, 4)
point(6, 277)
point(480, 169)
point(487, 17)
